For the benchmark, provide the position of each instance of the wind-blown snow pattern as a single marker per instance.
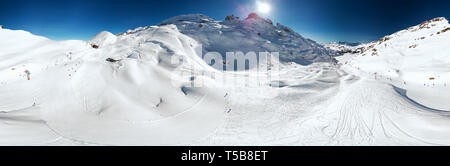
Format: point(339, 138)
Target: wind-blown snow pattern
point(127, 89)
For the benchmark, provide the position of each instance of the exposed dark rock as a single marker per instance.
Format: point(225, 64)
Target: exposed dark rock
point(231, 18)
point(95, 46)
point(112, 60)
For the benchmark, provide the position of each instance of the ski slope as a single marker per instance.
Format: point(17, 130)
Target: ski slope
point(415, 59)
point(133, 101)
point(125, 90)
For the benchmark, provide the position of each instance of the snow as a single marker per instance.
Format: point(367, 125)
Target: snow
point(129, 91)
point(342, 47)
point(415, 59)
point(251, 34)
point(103, 38)
point(134, 97)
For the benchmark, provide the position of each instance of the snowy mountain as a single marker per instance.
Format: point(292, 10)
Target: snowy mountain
point(127, 85)
point(342, 48)
point(352, 44)
point(253, 33)
point(138, 88)
point(417, 57)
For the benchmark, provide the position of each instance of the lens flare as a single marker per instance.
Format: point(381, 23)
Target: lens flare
point(263, 7)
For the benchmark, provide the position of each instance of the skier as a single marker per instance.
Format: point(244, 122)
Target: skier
point(28, 74)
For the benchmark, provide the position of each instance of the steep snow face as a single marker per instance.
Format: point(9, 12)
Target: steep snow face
point(126, 91)
point(251, 34)
point(416, 59)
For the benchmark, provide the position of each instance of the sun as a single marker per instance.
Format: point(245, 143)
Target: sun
point(263, 7)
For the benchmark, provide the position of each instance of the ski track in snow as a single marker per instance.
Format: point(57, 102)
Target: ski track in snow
point(321, 105)
point(350, 111)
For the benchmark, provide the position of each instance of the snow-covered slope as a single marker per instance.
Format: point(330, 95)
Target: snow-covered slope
point(416, 59)
point(122, 92)
point(251, 34)
point(134, 89)
point(103, 38)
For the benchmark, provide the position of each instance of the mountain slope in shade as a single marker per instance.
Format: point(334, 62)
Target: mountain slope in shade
point(250, 34)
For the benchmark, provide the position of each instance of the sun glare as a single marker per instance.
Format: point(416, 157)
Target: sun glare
point(263, 7)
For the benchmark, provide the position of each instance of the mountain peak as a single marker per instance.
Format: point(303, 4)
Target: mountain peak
point(436, 22)
point(253, 16)
point(256, 17)
point(433, 22)
point(439, 19)
point(231, 17)
point(103, 38)
point(252, 34)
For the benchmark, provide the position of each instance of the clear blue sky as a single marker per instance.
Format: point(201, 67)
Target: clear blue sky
point(320, 20)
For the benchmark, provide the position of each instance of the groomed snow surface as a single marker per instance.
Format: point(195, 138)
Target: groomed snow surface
point(121, 89)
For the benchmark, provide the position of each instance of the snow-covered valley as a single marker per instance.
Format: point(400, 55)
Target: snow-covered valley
point(125, 89)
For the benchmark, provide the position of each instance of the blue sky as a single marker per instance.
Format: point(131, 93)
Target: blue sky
point(320, 20)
